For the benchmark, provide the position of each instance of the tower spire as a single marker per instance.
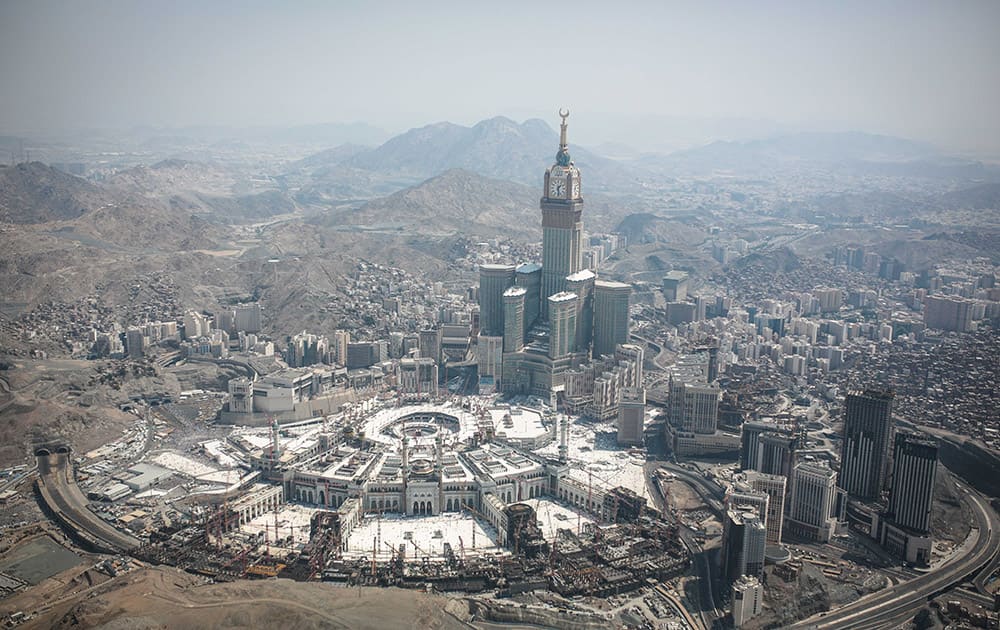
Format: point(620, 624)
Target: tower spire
point(562, 158)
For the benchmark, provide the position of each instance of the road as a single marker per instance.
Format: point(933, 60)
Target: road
point(883, 608)
point(63, 497)
point(898, 602)
point(712, 494)
point(662, 354)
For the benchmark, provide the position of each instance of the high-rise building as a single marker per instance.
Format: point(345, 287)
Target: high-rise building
point(430, 343)
point(529, 276)
point(513, 319)
point(948, 313)
point(774, 487)
point(700, 407)
point(417, 378)
point(562, 222)
point(741, 495)
point(196, 325)
point(489, 355)
point(914, 465)
point(247, 317)
point(777, 453)
point(631, 415)
point(582, 283)
point(562, 324)
point(744, 539)
point(241, 395)
point(812, 512)
point(830, 300)
point(226, 320)
point(610, 316)
point(675, 285)
point(748, 600)
point(135, 342)
point(339, 346)
point(865, 450)
point(494, 280)
point(750, 434)
point(308, 349)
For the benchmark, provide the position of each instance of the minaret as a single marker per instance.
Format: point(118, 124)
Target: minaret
point(562, 224)
point(564, 440)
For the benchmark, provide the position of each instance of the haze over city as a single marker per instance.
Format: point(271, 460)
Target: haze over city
point(656, 75)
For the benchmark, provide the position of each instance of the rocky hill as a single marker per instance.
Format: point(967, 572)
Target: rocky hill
point(498, 147)
point(460, 201)
point(456, 201)
point(201, 188)
point(644, 228)
point(169, 177)
point(853, 153)
point(981, 197)
point(32, 192)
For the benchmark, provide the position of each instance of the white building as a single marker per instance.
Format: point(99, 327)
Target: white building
point(814, 496)
point(748, 596)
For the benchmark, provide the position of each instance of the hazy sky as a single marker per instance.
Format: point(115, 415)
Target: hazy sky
point(929, 71)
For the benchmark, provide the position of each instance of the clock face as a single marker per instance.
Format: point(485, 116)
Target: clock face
point(557, 188)
point(576, 189)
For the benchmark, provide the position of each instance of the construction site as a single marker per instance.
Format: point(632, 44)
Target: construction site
point(449, 497)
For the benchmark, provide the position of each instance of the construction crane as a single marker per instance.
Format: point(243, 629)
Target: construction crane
point(417, 547)
point(474, 512)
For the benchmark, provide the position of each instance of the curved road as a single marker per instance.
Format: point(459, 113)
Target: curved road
point(712, 494)
point(883, 607)
point(63, 497)
point(899, 602)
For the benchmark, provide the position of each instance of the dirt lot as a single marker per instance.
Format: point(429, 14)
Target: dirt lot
point(169, 598)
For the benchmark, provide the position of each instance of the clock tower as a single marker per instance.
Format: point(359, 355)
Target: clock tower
point(562, 224)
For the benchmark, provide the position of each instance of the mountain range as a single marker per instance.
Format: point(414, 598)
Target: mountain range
point(498, 148)
point(462, 202)
point(853, 153)
point(32, 192)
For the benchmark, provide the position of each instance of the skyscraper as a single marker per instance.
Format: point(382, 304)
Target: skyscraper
point(610, 316)
point(631, 414)
point(529, 276)
point(562, 222)
point(948, 313)
point(562, 309)
point(774, 487)
point(814, 496)
point(675, 286)
point(582, 283)
point(562, 324)
point(743, 541)
point(865, 451)
point(914, 464)
point(493, 281)
point(513, 319)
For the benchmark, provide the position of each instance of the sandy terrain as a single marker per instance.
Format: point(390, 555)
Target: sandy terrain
point(169, 598)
